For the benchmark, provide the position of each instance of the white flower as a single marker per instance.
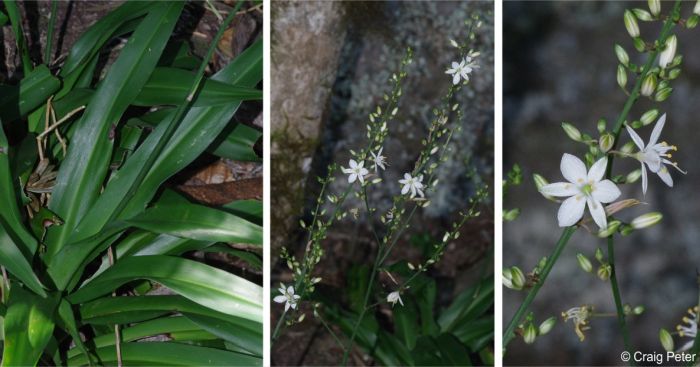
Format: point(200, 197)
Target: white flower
point(287, 297)
point(356, 171)
point(690, 330)
point(654, 154)
point(580, 317)
point(394, 297)
point(582, 187)
point(462, 69)
point(379, 160)
point(413, 184)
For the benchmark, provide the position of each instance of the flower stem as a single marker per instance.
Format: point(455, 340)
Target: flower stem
point(616, 294)
point(509, 334)
point(696, 341)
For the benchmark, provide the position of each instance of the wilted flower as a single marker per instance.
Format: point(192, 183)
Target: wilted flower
point(580, 317)
point(654, 154)
point(379, 160)
point(413, 184)
point(394, 297)
point(690, 329)
point(287, 297)
point(356, 171)
point(583, 187)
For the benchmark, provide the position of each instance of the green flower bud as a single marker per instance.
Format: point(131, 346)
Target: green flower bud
point(663, 94)
point(648, 85)
point(606, 142)
point(649, 116)
point(621, 76)
point(517, 277)
point(646, 220)
point(666, 340)
point(674, 73)
point(631, 24)
point(571, 131)
point(611, 229)
point(692, 21)
point(622, 55)
point(626, 229)
point(584, 263)
point(602, 125)
point(599, 254)
point(642, 15)
point(628, 147)
point(511, 215)
point(529, 334)
point(639, 44)
point(539, 181)
point(541, 263)
point(655, 7)
point(638, 310)
point(604, 272)
point(508, 278)
point(633, 176)
point(547, 325)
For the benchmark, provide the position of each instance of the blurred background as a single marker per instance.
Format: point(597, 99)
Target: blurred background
point(331, 62)
point(559, 65)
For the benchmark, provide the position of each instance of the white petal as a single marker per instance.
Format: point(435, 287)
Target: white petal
point(606, 191)
point(294, 305)
point(645, 180)
point(290, 290)
point(420, 193)
point(280, 299)
point(455, 65)
point(361, 178)
point(665, 176)
point(353, 164)
point(573, 168)
point(656, 133)
point(286, 307)
point(413, 191)
point(598, 213)
point(400, 301)
point(597, 170)
point(652, 159)
point(404, 189)
point(352, 178)
point(635, 138)
point(571, 211)
point(407, 176)
point(363, 171)
point(455, 79)
point(560, 189)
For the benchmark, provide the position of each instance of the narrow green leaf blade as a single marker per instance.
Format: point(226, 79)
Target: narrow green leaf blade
point(28, 327)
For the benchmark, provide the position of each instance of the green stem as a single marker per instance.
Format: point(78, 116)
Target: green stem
point(696, 342)
point(634, 95)
point(49, 32)
point(509, 334)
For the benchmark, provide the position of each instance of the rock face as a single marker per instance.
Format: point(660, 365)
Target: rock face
point(306, 42)
point(559, 65)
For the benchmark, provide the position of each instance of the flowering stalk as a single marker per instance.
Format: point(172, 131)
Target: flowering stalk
point(630, 23)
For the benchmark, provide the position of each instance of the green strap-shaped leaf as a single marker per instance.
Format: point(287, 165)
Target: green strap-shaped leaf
point(238, 144)
point(169, 86)
point(175, 216)
point(65, 313)
point(16, 20)
point(201, 283)
point(246, 339)
point(32, 92)
point(28, 327)
point(83, 171)
point(169, 354)
point(17, 245)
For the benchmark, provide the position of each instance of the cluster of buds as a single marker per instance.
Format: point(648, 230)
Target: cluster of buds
point(514, 278)
point(530, 332)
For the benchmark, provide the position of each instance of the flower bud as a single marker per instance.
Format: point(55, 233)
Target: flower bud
point(602, 125)
point(547, 325)
point(638, 310)
point(666, 340)
point(639, 44)
point(648, 85)
point(674, 73)
point(572, 132)
point(622, 55)
point(649, 116)
point(633, 176)
point(692, 21)
point(529, 334)
point(642, 15)
point(669, 51)
point(655, 7)
point(539, 181)
point(518, 278)
point(621, 76)
point(631, 24)
point(696, 9)
point(604, 272)
point(542, 263)
point(611, 229)
point(508, 279)
point(606, 142)
point(646, 220)
point(663, 94)
point(511, 215)
point(454, 43)
point(599, 254)
point(628, 147)
point(584, 263)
